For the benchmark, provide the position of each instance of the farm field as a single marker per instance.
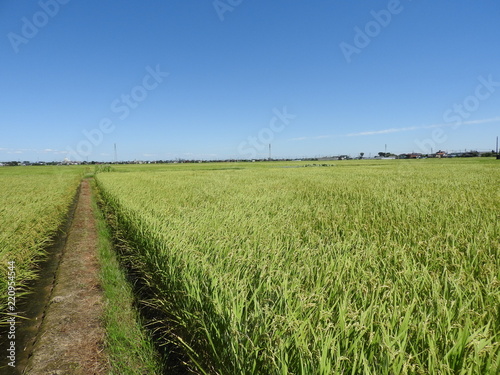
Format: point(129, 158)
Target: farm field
point(34, 202)
point(361, 267)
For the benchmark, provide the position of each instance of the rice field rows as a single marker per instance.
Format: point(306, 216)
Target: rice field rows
point(34, 202)
point(359, 268)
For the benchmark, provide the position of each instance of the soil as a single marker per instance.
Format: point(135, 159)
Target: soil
point(71, 337)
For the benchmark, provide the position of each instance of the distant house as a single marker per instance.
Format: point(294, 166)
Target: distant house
point(413, 155)
point(440, 154)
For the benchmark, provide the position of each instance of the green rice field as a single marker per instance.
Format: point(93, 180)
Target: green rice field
point(34, 203)
point(358, 267)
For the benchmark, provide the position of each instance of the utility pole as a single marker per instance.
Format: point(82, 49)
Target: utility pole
point(497, 146)
point(115, 154)
point(269, 151)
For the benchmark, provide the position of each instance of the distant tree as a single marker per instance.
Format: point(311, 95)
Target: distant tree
point(361, 155)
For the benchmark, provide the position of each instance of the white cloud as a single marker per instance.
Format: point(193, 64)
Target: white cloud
point(311, 138)
point(398, 130)
point(384, 131)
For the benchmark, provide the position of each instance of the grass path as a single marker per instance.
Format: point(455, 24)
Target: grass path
point(91, 325)
point(72, 337)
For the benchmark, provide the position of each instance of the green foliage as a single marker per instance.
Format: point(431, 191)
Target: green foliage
point(102, 168)
point(377, 267)
point(129, 348)
point(34, 202)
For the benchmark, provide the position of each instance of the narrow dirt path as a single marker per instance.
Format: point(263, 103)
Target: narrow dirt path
point(71, 338)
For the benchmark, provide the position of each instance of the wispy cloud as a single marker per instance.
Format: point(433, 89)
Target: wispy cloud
point(383, 131)
point(398, 130)
point(473, 122)
point(411, 128)
point(24, 150)
point(310, 138)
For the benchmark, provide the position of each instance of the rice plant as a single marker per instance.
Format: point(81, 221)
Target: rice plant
point(34, 202)
point(361, 268)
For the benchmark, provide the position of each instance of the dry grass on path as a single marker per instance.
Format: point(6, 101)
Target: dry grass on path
point(71, 340)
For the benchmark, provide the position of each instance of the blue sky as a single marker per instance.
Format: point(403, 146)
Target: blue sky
point(223, 79)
